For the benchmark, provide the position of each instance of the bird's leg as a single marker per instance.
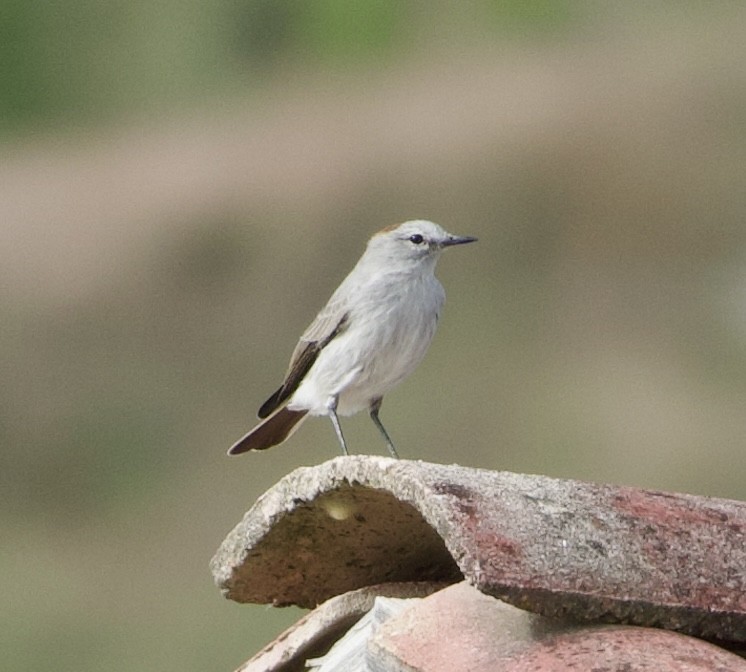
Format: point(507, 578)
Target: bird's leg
point(332, 407)
point(375, 406)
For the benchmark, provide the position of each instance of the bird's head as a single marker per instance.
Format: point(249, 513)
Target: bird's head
point(412, 243)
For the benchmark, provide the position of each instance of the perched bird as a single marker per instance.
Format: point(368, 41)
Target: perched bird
point(371, 335)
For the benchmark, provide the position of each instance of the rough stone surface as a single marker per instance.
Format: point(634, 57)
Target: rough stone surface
point(460, 629)
point(313, 634)
point(588, 551)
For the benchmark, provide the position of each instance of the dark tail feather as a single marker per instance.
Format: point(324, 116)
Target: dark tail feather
point(271, 432)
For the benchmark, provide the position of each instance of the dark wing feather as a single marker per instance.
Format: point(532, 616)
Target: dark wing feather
point(304, 356)
point(301, 364)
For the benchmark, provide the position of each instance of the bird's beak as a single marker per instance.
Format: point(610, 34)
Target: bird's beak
point(457, 240)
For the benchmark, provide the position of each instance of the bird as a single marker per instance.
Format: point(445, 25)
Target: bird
point(371, 334)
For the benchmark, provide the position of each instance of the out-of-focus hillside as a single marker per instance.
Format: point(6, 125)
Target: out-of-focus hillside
point(161, 251)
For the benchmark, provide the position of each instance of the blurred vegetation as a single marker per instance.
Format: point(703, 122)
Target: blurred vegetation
point(87, 62)
point(183, 184)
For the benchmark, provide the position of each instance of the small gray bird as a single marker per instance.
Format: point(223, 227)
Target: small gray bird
point(369, 337)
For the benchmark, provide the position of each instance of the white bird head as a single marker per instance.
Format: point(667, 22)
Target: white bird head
point(412, 242)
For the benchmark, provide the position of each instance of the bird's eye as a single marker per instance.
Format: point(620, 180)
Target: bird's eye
point(416, 238)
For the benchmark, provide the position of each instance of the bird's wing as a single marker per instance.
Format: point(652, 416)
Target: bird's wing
point(330, 322)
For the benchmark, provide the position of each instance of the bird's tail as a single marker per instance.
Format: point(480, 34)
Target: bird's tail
point(270, 432)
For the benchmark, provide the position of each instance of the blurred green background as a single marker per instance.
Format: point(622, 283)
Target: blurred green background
point(183, 184)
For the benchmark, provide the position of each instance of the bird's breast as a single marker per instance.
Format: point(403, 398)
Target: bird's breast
point(395, 332)
point(387, 334)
